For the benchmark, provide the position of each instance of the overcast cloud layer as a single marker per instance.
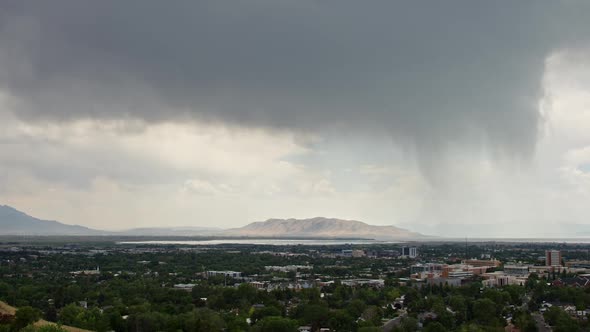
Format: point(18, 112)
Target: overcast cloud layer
point(423, 114)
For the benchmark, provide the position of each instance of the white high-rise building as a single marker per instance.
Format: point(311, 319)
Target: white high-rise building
point(411, 252)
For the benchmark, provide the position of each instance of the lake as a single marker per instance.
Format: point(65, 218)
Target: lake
point(277, 242)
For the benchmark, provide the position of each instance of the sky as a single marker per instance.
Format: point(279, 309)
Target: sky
point(454, 118)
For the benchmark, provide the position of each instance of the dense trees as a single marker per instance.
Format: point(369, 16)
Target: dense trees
point(276, 324)
point(435, 327)
point(25, 316)
point(135, 292)
point(524, 321)
point(560, 320)
point(485, 312)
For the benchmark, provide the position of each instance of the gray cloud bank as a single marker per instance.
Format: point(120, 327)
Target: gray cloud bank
point(432, 73)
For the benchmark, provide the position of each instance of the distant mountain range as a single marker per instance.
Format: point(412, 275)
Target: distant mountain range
point(321, 227)
point(14, 222)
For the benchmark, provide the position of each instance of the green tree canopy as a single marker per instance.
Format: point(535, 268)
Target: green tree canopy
point(275, 324)
point(25, 316)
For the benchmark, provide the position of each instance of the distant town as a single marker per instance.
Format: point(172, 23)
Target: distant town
point(484, 286)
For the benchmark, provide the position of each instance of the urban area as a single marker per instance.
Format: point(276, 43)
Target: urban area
point(471, 286)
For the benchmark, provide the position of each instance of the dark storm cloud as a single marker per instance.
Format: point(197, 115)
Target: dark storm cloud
point(430, 72)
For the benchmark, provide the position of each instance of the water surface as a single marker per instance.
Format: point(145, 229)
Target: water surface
point(278, 242)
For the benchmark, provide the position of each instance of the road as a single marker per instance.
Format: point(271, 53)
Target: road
point(540, 321)
point(393, 323)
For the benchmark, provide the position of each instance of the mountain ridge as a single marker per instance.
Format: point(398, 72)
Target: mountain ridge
point(321, 227)
point(15, 222)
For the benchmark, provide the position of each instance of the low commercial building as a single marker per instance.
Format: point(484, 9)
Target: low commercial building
point(288, 268)
point(454, 282)
point(361, 282)
point(463, 271)
point(578, 264)
point(454, 271)
point(185, 287)
point(257, 284)
point(427, 270)
point(358, 253)
point(457, 273)
point(482, 262)
point(231, 274)
point(500, 280)
point(517, 270)
point(353, 253)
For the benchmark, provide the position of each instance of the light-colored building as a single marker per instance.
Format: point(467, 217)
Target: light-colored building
point(458, 273)
point(231, 274)
point(423, 270)
point(346, 253)
point(360, 282)
point(580, 264)
point(257, 284)
point(437, 270)
point(499, 280)
point(185, 287)
point(516, 270)
point(87, 272)
point(483, 262)
point(358, 253)
point(288, 268)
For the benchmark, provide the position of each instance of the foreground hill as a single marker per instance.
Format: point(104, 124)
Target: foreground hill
point(10, 311)
point(321, 227)
point(14, 222)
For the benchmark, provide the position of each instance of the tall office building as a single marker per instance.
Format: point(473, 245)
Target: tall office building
point(552, 257)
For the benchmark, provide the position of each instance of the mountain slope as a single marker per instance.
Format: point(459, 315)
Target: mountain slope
point(14, 222)
point(321, 227)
